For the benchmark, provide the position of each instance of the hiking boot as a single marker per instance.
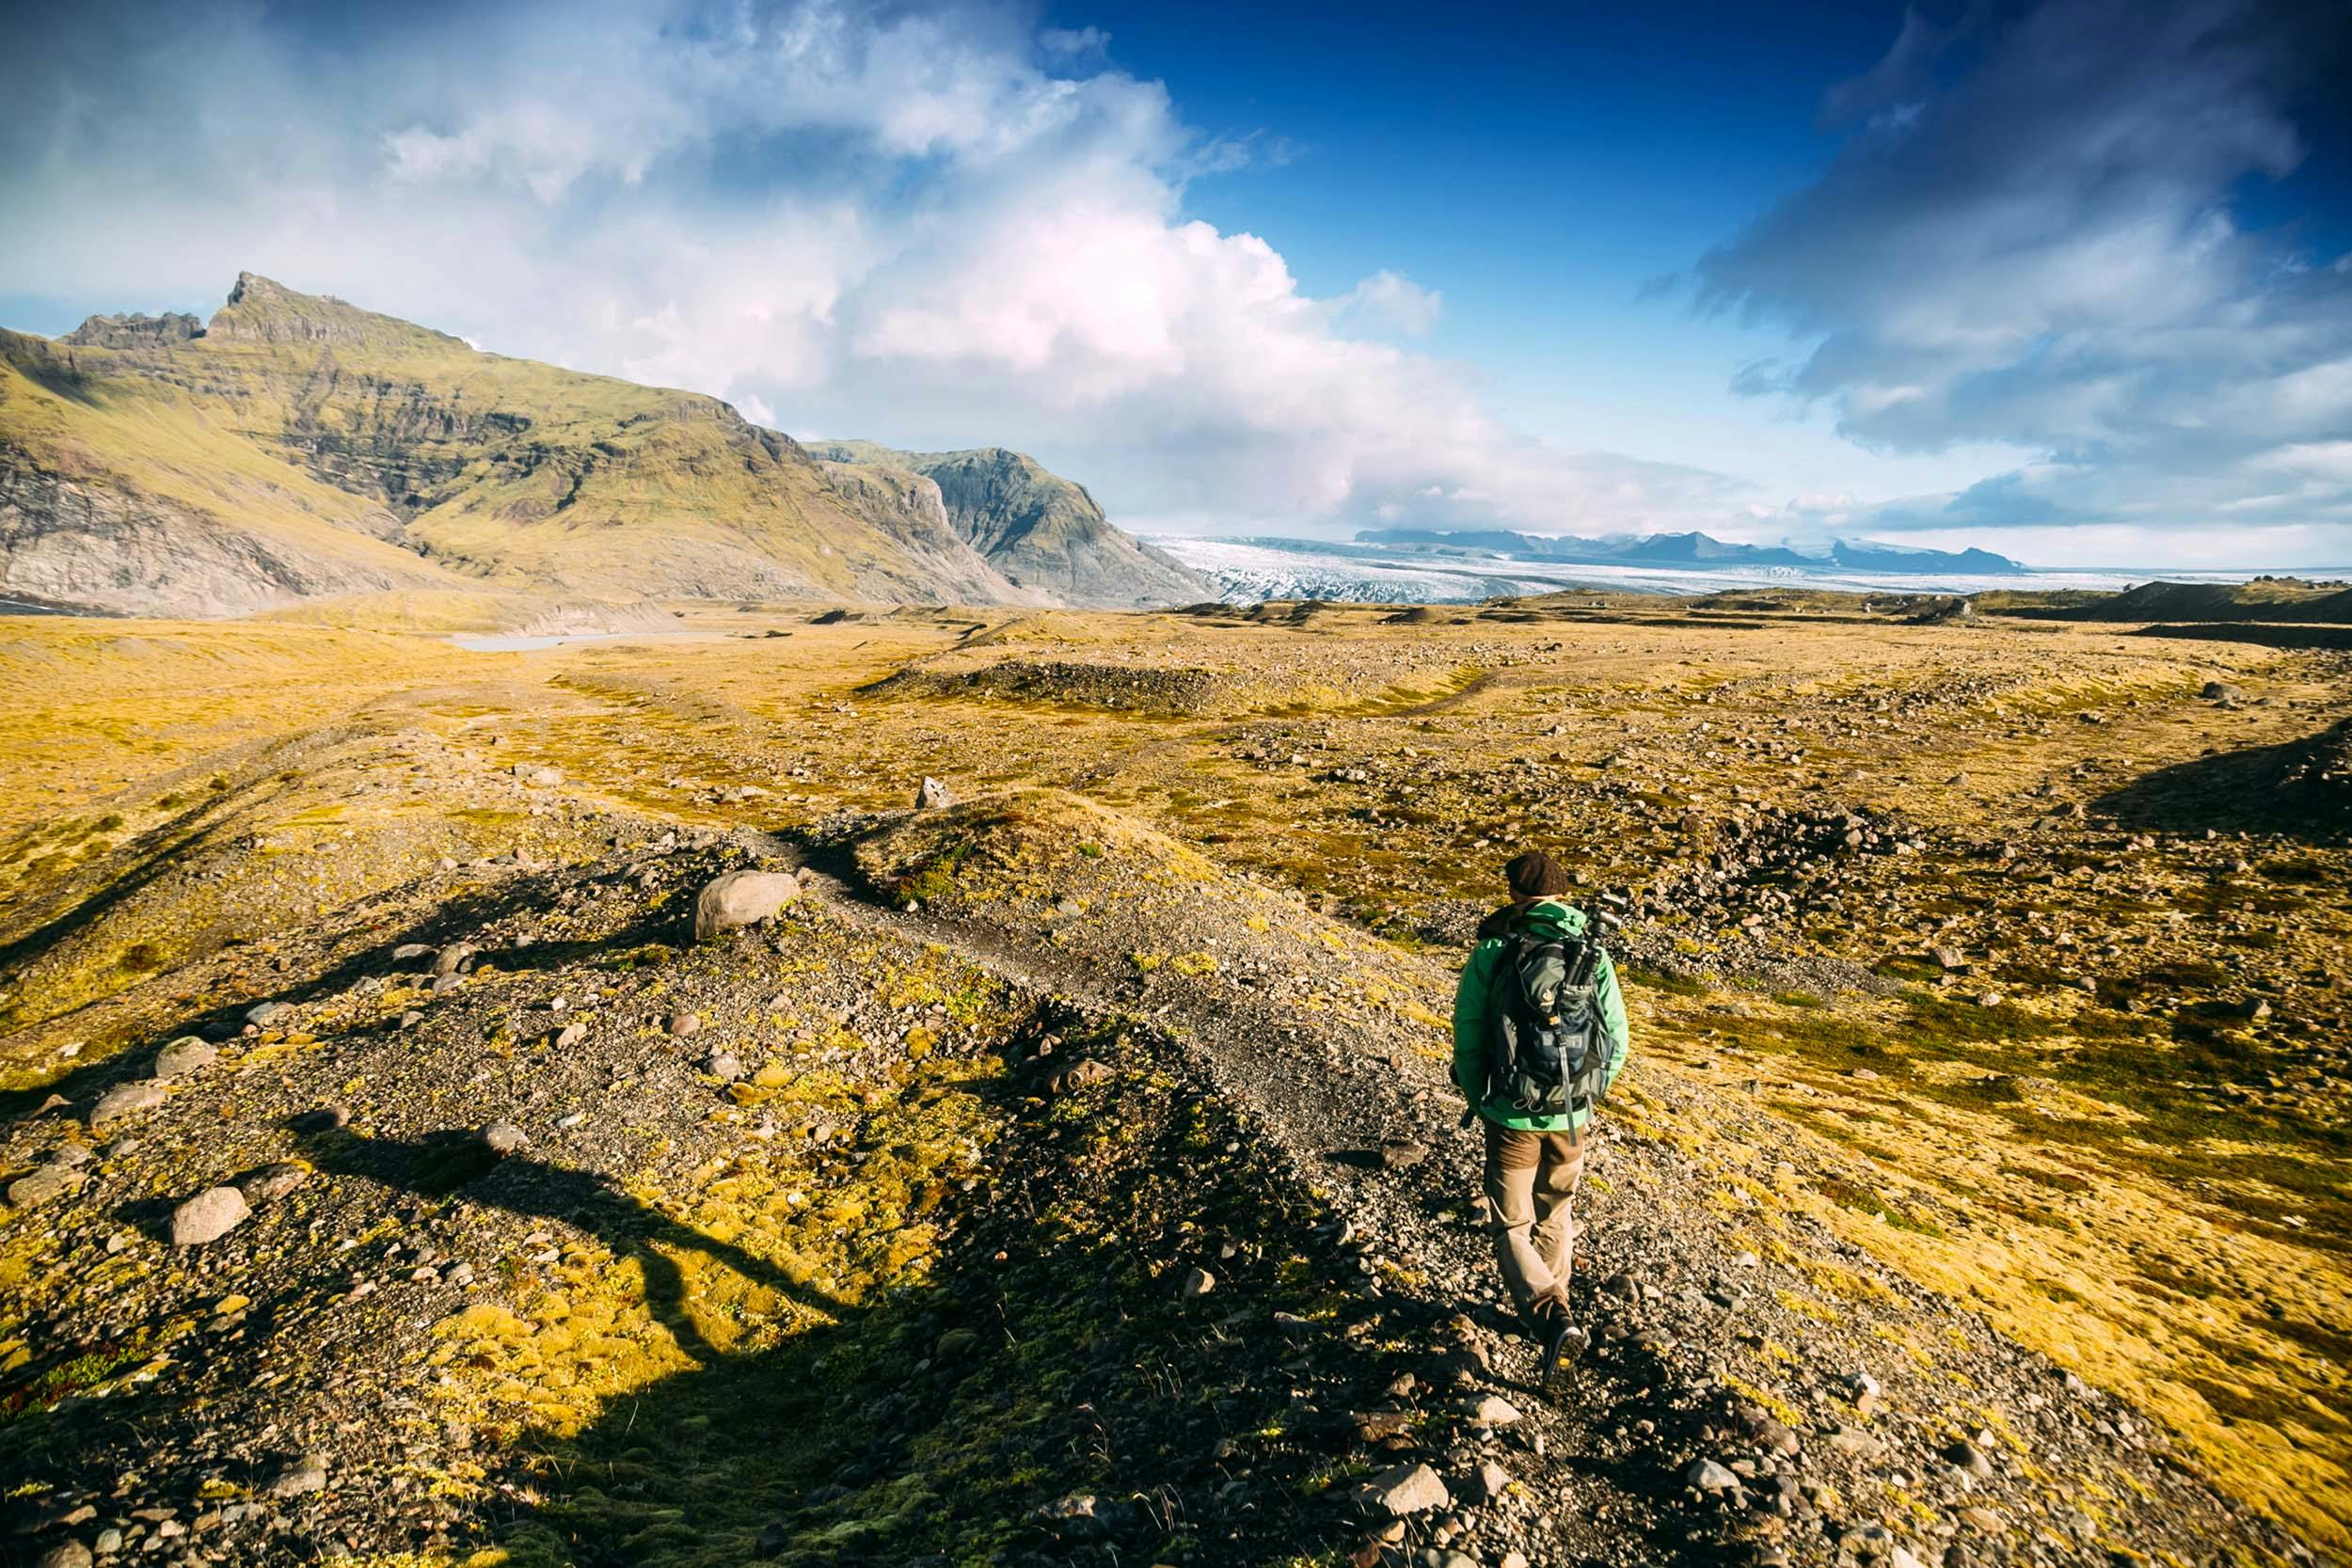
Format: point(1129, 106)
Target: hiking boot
point(1562, 1344)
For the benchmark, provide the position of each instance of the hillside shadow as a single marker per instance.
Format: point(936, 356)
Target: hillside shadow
point(1039, 1360)
point(2252, 790)
point(456, 1164)
point(2261, 634)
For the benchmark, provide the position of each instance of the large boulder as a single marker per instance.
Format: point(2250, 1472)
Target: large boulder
point(741, 898)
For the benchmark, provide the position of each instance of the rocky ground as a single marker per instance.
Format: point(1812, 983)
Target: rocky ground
point(1069, 1176)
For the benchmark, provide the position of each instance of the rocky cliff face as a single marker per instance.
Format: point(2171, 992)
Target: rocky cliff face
point(135, 331)
point(298, 445)
point(1042, 531)
point(118, 551)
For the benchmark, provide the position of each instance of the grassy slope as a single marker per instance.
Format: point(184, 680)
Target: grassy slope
point(140, 436)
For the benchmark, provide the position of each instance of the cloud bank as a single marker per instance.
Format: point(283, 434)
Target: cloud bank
point(2048, 250)
point(933, 226)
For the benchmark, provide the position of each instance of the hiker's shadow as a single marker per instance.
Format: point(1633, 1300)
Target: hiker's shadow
point(460, 1165)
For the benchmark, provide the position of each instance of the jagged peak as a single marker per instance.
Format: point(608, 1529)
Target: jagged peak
point(262, 310)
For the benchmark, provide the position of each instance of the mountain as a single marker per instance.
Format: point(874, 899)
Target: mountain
point(1688, 549)
point(1040, 530)
point(296, 446)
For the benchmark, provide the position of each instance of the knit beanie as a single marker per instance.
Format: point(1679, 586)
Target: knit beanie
point(1536, 875)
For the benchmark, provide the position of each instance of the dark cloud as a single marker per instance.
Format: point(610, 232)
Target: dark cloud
point(2055, 249)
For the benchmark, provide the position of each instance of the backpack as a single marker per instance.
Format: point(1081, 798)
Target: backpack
point(1547, 1050)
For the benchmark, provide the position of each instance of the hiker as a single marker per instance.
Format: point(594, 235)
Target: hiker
point(1532, 1052)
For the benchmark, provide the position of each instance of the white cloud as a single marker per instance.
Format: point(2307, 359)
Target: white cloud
point(1387, 299)
point(926, 227)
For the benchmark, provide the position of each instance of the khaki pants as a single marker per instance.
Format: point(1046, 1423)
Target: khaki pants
point(1531, 1177)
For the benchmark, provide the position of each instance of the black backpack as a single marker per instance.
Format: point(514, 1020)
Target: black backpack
point(1546, 1049)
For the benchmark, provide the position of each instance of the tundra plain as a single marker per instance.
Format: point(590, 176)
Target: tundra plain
point(1980, 1186)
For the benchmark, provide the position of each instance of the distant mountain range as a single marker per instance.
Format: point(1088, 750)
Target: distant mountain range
point(1690, 549)
point(296, 447)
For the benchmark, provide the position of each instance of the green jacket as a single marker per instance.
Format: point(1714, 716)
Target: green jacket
point(1472, 999)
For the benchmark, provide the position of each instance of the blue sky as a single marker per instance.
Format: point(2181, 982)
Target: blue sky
point(2065, 280)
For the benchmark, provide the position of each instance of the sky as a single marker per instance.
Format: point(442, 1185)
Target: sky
point(2070, 280)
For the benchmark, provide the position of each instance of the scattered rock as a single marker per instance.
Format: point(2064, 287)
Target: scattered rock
point(1487, 1483)
point(65, 1554)
point(741, 898)
point(1080, 1074)
point(185, 1056)
point(1706, 1475)
point(208, 1216)
point(725, 1065)
point(453, 959)
point(43, 1185)
point(1968, 1457)
point(1197, 1282)
point(1404, 1489)
point(272, 1182)
point(571, 1035)
point(326, 1118)
point(1402, 1153)
point(263, 1014)
point(932, 795)
point(1492, 1410)
point(125, 1099)
point(300, 1479)
point(502, 1138)
point(681, 1024)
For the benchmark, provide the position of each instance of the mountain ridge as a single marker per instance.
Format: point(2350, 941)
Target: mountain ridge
point(1036, 527)
point(1689, 548)
point(298, 446)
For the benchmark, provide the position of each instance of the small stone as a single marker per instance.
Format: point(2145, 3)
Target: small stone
point(1487, 1483)
point(725, 1065)
point(326, 1118)
point(272, 1182)
point(1197, 1283)
point(502, 1138)
point(1983, 1521)
point(681, 1024)
point(1079, 1074)
point(409, 952)
point(185, 1056)
point(208, 1216)
point(931, 795)
point(1706, 1475)
point(1491, 1410)
point(1968, 1457)
point(1404, 1489)
point(125, 1099)
point(263, 1014)
point(570, 1034)
point(454, 959)
point(65, 1554)
point(1402, 1153)
point(41, 1186)
point(300, 1479)
point(537, 776)
point(741, 898)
